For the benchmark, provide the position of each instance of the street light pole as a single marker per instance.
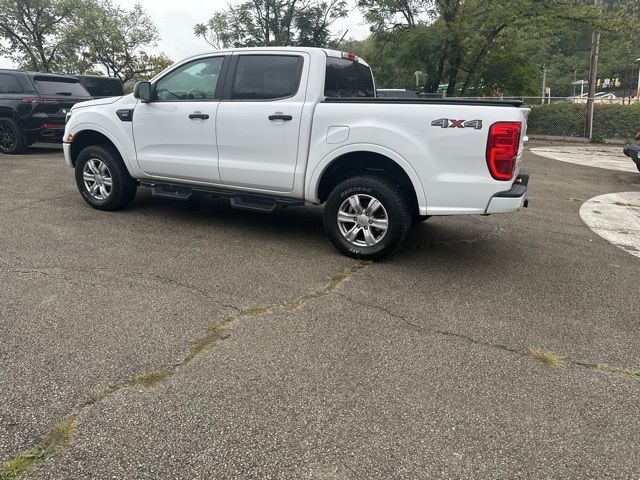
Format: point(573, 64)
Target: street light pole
point(638, 90)
point(544, 81)
point(593, 75)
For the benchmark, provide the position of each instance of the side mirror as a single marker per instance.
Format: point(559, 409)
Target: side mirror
point(142, 91)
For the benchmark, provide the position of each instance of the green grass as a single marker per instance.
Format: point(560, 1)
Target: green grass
point(153, 378)
point(548, 358)
point(257, 311)
point(627, 372)
point(59, 437)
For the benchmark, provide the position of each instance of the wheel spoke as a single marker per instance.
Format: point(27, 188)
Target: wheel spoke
point(93, 189)
point(373, 206)
point(353, 233)
point(380, 223)
point(103, 191)
point(92, 166)
point(107, 181)
point(369, 238)
point(345, 217)
point(88, 177)
point(354, 200)
point(102, 168)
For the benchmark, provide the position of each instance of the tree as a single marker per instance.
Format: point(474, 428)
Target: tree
point(272, 22)
point(80, 36)
point(386, 16)
point(35, 32)
point(459, 43)
point(115, 39)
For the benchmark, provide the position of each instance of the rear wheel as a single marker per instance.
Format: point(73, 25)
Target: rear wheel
point(367, 217)
point(103, 180)
point(12, 138)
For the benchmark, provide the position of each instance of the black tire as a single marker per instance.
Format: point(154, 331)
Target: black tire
point(12, 138)
point(123, 187)
point(396, 209)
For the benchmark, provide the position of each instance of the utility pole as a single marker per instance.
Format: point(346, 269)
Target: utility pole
point(593, 75)
point(544, 82)
point(638, 90)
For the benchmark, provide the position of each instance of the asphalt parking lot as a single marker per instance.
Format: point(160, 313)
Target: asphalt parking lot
point(189, 340)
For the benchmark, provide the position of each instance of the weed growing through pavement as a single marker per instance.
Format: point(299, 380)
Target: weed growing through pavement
point(59, 437)
point(546, 357)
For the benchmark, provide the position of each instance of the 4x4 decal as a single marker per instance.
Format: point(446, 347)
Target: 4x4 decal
point(450, 123)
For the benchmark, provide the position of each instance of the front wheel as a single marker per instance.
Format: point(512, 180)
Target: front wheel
point(102, 178)
point(367, 217)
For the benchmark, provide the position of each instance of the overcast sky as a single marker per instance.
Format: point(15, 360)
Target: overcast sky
point(175, 21)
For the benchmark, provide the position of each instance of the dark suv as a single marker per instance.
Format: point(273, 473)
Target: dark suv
point(33, 107)
point(101, 87)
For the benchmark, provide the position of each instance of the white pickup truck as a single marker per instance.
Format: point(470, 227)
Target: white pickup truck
point(272, 127)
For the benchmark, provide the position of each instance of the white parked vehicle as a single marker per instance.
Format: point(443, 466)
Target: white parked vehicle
point(285, 126)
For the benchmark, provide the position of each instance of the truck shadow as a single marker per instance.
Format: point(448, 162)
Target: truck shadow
point(302, 227)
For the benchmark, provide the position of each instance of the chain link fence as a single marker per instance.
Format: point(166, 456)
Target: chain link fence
point(613, 118)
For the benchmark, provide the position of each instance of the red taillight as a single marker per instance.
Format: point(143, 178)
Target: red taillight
point(39, 100)
point(502, 149)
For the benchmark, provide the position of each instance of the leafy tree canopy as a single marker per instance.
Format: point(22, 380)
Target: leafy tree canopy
point(80, 36)
point(273, 22)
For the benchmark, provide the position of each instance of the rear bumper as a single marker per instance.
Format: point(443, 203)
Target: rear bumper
point(512, 200)
point(48, 132)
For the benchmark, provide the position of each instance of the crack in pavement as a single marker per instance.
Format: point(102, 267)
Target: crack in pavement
point(526, 352)
point(27, 460)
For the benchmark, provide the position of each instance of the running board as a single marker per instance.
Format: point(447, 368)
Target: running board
point(266, 205)
point(171, 191)
point(239, 199)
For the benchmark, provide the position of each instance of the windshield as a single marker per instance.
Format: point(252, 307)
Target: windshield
point(345, 78)
point(60, 86)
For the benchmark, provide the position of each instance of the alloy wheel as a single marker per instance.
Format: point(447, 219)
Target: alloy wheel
point(97, 179)
point(8, 139)
point(363, 220)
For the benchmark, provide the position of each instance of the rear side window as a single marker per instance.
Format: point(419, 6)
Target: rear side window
point(266, 77)
point(103, 87)
point(9, 84)
point(345, 78)
point(60, 86)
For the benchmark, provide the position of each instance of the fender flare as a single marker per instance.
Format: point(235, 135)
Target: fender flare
point(313, 180)
point(81, 127)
